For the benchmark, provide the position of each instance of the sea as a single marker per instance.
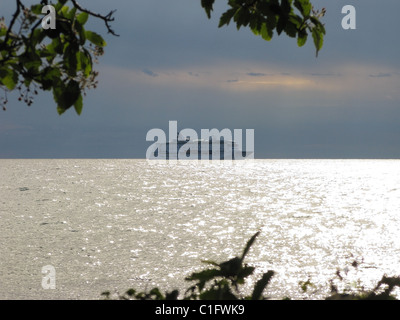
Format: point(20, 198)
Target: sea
point(75, 228)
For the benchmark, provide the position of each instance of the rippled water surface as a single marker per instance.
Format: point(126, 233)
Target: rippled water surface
point(116, 224)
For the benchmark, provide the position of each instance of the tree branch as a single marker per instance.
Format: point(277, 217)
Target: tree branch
point(106, 18)
point(14, 18)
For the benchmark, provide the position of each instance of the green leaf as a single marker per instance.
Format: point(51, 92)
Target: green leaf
point(50, 77)
point(286, 6)
point(156, 292)
point(318, 39)
point(78, 105)
point(302, 38)
point(60, 110)
point(53, 33)
point(84, 62)
point(59, 4)
point(172, 295)
point(33, 66)
point(245, 272)
point(249, 244)
point(208, 6)
point(255, 25)
point(95, 38)
point(37, 8)
point(71, 14)
point(290, 29)
point(55, 47)
point(318, 25)
point(226, 17)
point(3, 31)
point(242, 17)
point(64, 26)
point(261, 284)
point(129, 292)
point(266, 33)
point(9, 82)
point(81, 31)
point(70, 59)
point(64, 11)
point(82, 18)
point(271, 22)
point(66, 96)
point(37, 36)
point(280, 26)
point(297, 21)
point(231, 267)
point(8, 78)
point(28, 81)
point(68, 14)
point(81, 61)
point(304, 7)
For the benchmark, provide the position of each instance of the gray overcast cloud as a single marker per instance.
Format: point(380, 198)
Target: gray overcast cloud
point(172, 63)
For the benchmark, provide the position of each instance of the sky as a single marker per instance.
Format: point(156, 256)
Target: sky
point(171, 62)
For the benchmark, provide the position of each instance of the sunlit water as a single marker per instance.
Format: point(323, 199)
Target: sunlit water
point(117, 224)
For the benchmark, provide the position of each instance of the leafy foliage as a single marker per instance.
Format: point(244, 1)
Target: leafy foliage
point(219, 283)
point(224, 280)
point(59, 60)
point(378, 293)
point(296, 18)
point(384, 290)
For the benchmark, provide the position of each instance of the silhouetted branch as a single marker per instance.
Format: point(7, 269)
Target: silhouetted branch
point(106, 18)
point(14, 18)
